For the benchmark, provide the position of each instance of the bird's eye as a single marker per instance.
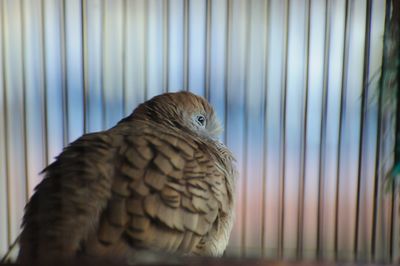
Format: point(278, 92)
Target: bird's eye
point(201, 120)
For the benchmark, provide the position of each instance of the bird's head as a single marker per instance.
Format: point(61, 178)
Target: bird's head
point(183, 110)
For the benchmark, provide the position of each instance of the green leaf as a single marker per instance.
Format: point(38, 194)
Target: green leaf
point(393, 177)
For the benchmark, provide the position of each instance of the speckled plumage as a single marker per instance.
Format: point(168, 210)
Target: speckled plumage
point(156, 181)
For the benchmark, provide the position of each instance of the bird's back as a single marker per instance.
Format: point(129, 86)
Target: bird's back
point(136, 186)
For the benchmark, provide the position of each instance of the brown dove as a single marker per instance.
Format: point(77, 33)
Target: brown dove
point(159, 180)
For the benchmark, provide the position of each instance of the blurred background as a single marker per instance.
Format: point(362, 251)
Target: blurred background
point(295, 84)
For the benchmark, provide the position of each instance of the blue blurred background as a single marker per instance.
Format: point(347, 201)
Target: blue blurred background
point(293, 82)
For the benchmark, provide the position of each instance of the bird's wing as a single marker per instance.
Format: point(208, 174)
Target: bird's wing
point(167, 193)
point(67, 203)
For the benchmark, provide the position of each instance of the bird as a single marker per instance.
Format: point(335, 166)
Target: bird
point(159, 180)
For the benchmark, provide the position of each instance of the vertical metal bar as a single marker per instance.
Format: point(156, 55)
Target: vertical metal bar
point(25, 135)
point(207, 47)
point(103, 30)
point(322, 147)
point(44, 77)
point(378, 143)
point(227, 63)
point(85, 65)
point(186, 45)
point(124, 55)
point(165, 45)
point(42, 89)
point(392, 215)
point(246, 126)
point(5, 112)
point(363, 119)
point(376, 174)
point(64, 67)
point(303, 149)
point(343, 94)
point(282, 160)
point(265, 146)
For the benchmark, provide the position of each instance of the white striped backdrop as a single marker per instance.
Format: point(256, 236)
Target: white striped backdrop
point(294, 83)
